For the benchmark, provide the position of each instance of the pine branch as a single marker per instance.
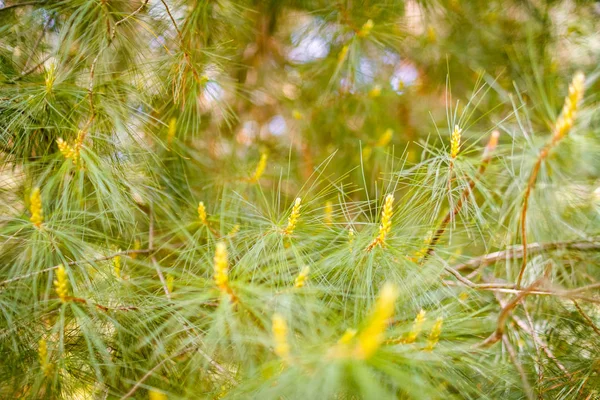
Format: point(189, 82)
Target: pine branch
point(92, 260)
point(487, 156)
point(516, 252)
point(505, 313)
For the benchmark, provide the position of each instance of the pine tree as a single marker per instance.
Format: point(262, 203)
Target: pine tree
point(299, 199)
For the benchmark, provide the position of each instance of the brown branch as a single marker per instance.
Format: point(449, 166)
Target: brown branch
point(505, 313)
point(186, 54)
point(587, 318)
point(521, 324)
point(509, 288)
point(531, 331)
point(487, 156)
point(530, 184)
point(516, 252)
point(103, 258)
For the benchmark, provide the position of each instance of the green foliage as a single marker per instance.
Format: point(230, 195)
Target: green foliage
point(357, 162)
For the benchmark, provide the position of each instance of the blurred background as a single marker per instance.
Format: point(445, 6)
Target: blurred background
point(297, 80)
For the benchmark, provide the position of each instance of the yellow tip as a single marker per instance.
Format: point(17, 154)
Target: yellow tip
point(366, 29)
point(280, 332)
point(372, 335)
point(221, 276)
point(35, 207)
point(61, 284)
point(434, 335)
point(202, 213)
point(455, 141)
point(293, 218)
point(302, 277)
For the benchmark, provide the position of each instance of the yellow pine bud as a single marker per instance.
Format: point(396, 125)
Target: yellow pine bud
point(154, 395)
point(564, 123)
point(423, 250)
point(61, 284)
point(280, 332)
point(170, 282)
point(385, 138)
point(136, 246)
point(343, 54)
point(260, 168)
point(365, 30)
point(297, 115)
point(117, 265)
point(35, 207)
point(66, 150)
point(221, 276)
point(79, 140)
point(386, 223)
point(434, 335)
point(366, 153)
point(202, 213)
point(431, 34)
point(416, 328)
point(71, 151)
point(386, 218)
point(371, 337)
point(293, 219)
point(455, 141)
point(234, 230)
point(43, 357)
point(375, 91)
point(302, 277)
point(350, 239)
point(172, 130)
point(342, 348)
point(50, 77)
point(328, 213)
point(347, 336)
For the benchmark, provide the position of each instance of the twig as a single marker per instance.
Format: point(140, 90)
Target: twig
point(521, 324)
point(561, 127)
point(103, 258)
point(587, 318)
point(471, 284)
point(513, 357)
point(186, 54)
point(516, 252)
point(509, 288)
point(505, 313)
point(100, 306)
point(530, 184)
point(487, 156)
point(531, 331)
